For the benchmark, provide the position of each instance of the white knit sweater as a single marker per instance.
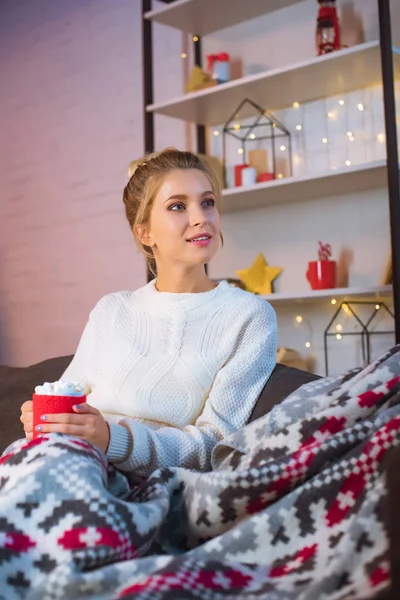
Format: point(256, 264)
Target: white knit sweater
point(174, 373)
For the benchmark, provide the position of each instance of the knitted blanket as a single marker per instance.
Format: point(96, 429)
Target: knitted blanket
point(293, 509)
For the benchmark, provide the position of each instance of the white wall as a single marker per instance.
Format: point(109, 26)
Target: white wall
point(70, 122)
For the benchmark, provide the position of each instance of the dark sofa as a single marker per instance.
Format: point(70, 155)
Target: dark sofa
point(17, 384)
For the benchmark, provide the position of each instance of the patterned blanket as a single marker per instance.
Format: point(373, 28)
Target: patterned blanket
point(293, 509)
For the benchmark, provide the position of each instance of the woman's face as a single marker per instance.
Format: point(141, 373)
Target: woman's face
point(184, 221)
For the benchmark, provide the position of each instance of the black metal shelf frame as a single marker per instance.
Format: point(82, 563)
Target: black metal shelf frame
point(148, 80)
point(390, 125)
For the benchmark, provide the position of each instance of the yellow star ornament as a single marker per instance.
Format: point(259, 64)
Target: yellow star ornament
point(259, 277)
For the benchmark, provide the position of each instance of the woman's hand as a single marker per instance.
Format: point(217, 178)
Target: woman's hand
point(26, 418)
point(86, 423)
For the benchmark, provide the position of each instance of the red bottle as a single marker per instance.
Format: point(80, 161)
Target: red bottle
point(328, 31)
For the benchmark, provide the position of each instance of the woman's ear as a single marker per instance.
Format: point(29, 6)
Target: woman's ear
point(142, 233)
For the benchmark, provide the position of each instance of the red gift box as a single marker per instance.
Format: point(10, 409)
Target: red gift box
point(266, 177)
point(52, 405)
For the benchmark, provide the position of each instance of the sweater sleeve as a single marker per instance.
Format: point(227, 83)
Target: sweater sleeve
point(77, 369)
point(236, 388)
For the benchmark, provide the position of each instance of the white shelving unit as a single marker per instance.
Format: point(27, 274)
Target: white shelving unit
point(340, 294)
point(298, 189)
point(206, 16)
point(337, 73)
point(350, 69)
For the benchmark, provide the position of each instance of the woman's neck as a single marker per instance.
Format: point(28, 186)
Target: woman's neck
point(194, 282)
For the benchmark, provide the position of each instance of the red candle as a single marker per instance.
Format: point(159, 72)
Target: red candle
point(238, 174)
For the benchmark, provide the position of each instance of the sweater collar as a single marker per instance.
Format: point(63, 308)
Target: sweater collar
point(185, 301)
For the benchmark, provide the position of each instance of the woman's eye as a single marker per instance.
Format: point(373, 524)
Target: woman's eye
point(210, 202)
point(176, 207)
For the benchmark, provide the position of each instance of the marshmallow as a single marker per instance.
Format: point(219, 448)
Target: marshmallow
point(62, 388)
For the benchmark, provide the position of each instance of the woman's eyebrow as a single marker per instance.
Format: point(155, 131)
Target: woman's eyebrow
point(177, 197)
point(185, 197)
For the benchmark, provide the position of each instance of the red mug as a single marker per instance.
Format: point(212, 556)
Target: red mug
point(52, 405)
point(321, 274)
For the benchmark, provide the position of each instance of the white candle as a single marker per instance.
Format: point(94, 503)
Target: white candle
point(249, 176)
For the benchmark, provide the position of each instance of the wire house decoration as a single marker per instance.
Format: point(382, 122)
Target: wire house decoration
point(264, 129)
point(365, 331)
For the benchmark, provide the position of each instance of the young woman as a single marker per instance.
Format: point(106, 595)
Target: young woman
point(177, 365)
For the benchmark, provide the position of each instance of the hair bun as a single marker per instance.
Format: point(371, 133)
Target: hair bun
point(134, 165)
point(141, 162)
point(144, 160)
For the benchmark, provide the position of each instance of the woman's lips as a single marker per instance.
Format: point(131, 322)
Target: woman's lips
point(200, 242)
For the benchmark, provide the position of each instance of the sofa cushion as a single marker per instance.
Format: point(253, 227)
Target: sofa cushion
point(283, 381)
point(18, 383)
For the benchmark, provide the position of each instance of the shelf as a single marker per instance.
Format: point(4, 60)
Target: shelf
point(347, 180)
point(206, 16)
point(341, 294)
point(336, 73)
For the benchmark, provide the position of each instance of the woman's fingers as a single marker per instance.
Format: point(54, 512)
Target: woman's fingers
point(68, 418)
point(67, 428)
point(68, 423)
point(89, 425)
point(26, 418)
point(27, 407)
point(28, 427)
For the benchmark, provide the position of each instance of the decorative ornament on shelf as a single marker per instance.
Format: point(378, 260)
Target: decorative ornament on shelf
point(328, 30)
point(324, 251)
point(259, 277)
point(364, 315)
point(290, 358)
point(199, 80)
point(321, 273)
point(219, 67)
point(259, 163)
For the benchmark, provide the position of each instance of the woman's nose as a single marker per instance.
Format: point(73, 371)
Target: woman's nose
point(197, 217)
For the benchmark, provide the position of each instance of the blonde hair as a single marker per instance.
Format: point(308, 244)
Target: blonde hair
point(146, 176)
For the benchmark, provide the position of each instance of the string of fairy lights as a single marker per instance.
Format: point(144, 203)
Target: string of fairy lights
point(302, 322)
point(332, 114)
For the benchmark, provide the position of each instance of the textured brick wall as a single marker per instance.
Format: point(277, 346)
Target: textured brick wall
point(70, 122)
